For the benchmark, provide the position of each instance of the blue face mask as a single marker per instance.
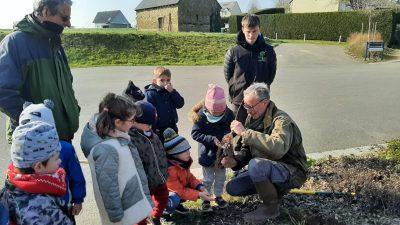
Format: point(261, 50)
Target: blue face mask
point(213, 119)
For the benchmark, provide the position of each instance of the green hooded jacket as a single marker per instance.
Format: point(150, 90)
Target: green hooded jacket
point(34, 67)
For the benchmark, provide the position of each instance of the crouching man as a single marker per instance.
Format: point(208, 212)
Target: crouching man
point(270, 143)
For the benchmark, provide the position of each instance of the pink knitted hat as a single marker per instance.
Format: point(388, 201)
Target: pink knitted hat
point(215, 99)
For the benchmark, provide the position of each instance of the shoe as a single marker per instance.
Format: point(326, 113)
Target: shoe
point(181, 209)
point(154, 221)
point(206, 206)
point(269, 209)
point(221, 202)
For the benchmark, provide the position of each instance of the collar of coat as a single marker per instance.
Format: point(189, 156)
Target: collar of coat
point(268, 117)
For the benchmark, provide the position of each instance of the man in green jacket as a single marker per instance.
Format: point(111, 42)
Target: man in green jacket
point(270, 144)
point(34, 67)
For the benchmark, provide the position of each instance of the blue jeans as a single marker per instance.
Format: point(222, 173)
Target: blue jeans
point(259, 169)
point(173, 201)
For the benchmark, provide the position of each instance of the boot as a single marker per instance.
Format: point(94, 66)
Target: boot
point(269, 209)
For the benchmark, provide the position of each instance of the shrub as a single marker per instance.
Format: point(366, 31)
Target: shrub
point(393, 150)
point(357, 43)
point(325, 26)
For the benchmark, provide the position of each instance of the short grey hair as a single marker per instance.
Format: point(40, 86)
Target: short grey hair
point(52, 5)
point(260, 90)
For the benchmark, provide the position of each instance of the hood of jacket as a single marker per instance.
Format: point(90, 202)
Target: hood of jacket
point(257, 46)
point(32, 26)
point(152, 87)
point(193, 114)
point(89, 136)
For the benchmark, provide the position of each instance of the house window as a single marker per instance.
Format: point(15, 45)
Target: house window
point(160, 23)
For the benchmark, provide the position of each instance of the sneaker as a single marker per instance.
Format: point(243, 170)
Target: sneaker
point(221, 202)
point(154, 221)
point(206, 206)
point(181, 209)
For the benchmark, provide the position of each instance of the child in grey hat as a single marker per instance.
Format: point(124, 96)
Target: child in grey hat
point(35, 180)
point(76, 184)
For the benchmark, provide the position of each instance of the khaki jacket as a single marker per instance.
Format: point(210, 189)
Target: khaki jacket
point(279, 139)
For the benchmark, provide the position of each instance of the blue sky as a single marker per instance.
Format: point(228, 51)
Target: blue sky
point(84, 11)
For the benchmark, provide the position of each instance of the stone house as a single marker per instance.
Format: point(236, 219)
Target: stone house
point(111, 19)
point(179, 15)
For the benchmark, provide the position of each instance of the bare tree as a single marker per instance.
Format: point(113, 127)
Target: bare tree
point(253, 6)
point(371, 4)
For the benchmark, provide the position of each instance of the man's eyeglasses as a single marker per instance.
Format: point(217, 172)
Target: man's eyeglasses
point(64, 18)
point(247, 107)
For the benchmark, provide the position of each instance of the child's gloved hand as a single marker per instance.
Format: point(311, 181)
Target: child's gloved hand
point(169, 87)
point(76, 209)
point(205, 196)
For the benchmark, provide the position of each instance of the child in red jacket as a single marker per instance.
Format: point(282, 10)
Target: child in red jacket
point(181, 183)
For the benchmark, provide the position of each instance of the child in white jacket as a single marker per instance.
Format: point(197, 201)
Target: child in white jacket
point(119, 181)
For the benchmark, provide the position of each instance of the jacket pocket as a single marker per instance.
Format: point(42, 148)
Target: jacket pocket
point(132, 193)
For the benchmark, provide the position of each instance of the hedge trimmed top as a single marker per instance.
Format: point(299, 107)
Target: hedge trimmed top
point(324, 26)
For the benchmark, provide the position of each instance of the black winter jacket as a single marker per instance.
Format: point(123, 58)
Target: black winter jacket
point(204, 132)
point(245, 64)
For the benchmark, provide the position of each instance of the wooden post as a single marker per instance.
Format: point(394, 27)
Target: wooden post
point(362, 28)
point(304, 37)
point(369, 28)
point(340, 38)
point(276, 36)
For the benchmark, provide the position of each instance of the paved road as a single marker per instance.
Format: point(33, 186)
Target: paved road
point(337, 103)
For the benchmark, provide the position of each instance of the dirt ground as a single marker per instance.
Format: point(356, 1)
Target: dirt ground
point(374, 178)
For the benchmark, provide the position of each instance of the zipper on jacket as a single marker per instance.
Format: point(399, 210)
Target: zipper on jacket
point(155, 157)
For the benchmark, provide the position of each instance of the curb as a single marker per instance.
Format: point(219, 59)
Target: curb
point(198, 173)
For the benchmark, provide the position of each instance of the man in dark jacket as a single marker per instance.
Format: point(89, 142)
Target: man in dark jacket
point(251, 60)
point(271, 145)
point(34, 67)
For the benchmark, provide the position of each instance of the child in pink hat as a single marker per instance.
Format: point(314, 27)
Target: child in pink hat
point(211, 122)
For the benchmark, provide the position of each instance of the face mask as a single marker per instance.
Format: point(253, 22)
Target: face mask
point(58, 29)
point(213, 119)
point(147, 133)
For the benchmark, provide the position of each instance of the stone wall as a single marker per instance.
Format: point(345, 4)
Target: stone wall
point(149, 19)
point(199, 15)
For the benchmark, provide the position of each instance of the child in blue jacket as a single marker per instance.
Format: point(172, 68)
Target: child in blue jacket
point(162, 95)
point(76, 184)
point(211, 122)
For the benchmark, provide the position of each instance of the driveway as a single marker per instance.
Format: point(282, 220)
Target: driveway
point(336, 102)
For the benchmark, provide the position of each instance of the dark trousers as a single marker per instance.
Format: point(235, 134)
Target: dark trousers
point(260, 169)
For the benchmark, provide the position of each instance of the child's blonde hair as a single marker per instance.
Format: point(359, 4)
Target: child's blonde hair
point(161, 71)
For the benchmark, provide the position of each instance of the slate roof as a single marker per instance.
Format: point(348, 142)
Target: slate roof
point(106, 16)
point(147, 4)
point(233, 7)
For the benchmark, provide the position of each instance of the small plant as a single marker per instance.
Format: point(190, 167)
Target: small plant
point(311, 162)
point(393, 150)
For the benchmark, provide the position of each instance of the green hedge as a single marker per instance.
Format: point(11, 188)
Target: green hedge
point(324, 26)
point(235, 23)
point(270, 11)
